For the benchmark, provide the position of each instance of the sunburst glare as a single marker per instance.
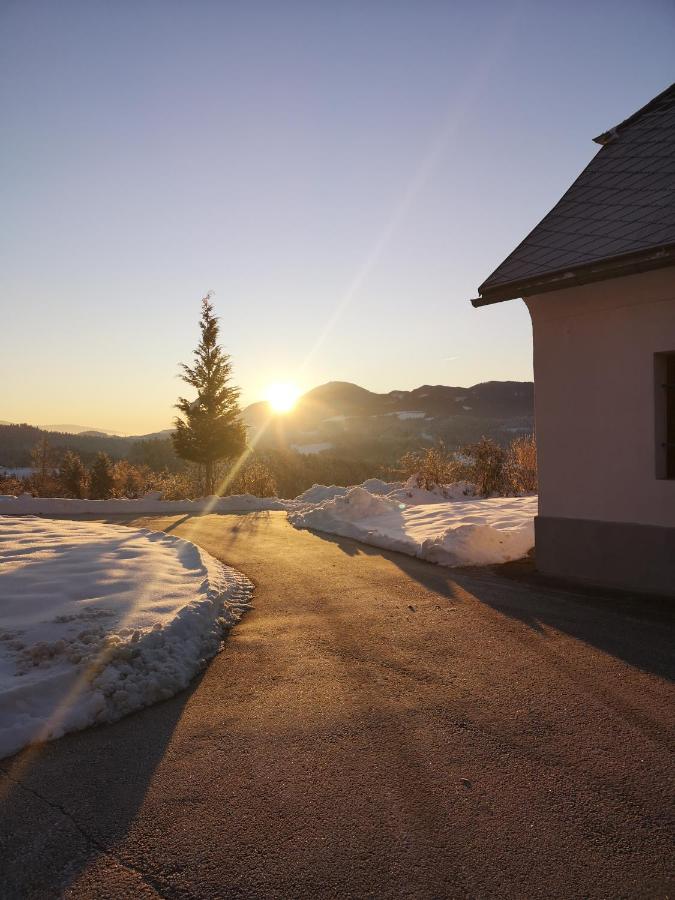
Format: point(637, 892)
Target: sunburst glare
point(282, 397)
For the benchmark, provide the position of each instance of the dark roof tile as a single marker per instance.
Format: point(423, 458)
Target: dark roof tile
point(622, 203)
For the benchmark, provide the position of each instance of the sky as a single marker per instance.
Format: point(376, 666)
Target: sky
point(342, 175)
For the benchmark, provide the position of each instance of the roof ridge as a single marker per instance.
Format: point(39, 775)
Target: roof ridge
point(617, 216)
point(668, 95)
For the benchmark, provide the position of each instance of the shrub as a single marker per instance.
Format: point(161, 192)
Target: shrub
point(43, 457)
point(9, 484)
point(522, 464)
point(256, 478)
point(72, 475)
point(487, 466)
point(101, 478)
point(175, 485)
point(431, 467)
point(128, 480)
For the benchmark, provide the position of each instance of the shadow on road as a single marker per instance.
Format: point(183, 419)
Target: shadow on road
point(638, 629)
point(79, 796)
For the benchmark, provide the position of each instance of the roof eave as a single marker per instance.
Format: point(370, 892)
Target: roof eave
point(627, 264)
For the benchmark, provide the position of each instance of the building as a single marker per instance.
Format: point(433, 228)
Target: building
point(598, 277)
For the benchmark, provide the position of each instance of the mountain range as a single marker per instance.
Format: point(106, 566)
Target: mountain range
point(351, 421)
point(339, 417)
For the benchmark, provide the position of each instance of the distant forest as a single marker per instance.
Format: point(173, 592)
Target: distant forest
point(157, 453)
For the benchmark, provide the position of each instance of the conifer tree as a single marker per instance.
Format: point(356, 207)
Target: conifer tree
point(72, 474)
point(101, 477)
point(211, 429)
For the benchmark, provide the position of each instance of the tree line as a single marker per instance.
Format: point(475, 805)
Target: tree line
point(208, 453)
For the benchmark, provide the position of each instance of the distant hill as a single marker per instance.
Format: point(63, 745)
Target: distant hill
point(339, 417)
point(80, 429)
point(154, 450)
point(350, 421)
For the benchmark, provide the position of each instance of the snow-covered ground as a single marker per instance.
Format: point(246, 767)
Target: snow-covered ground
point(320, 492)
point(447, 525)
point(97, 620)
point(309, 449)
point(17, 471)
point(150, 504)
point(444, 526)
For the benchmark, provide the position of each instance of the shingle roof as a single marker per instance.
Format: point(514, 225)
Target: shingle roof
point(621, 208)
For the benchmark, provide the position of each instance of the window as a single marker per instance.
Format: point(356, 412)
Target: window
point(664, 383)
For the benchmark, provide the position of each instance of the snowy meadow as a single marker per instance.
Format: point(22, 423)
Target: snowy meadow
point(98, 619)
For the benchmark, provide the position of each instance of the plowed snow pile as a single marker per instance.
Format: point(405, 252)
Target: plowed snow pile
point(455, 532)
point(98, 620)
point(150, 504)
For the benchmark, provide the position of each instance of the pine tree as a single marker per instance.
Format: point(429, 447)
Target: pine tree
point(101, 477)
point(72, 474)
point(212, 429)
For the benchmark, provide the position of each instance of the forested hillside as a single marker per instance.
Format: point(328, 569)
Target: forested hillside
point(17, 442)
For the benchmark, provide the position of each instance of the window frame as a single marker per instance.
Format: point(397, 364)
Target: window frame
point(664, 414)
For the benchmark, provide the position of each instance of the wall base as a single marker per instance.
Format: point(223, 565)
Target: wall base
point(614, 554)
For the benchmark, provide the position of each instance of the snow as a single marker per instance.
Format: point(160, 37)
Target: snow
point(377, 486)
point(320, 492)
point(444, 526)
point(98, 620)
point(411, 414)
point(411, 494)
point(150, 504)
point(306, 449)
point(17, 471)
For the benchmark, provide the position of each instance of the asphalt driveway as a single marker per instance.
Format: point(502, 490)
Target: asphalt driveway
point(375, 727)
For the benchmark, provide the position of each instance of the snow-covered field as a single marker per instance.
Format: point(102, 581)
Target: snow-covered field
point(150, 504)
point(448, 525)
point(444, 526)
point(309, 449)
point(97, 620)
point(17, 471)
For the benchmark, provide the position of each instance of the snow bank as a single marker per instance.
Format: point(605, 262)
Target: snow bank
point(410, 494)
point(320, 492)
point(151, 504)
point(98, 620)
point(448, 532)
point(377, 486)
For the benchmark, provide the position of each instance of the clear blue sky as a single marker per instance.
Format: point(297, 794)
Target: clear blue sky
point(342, 174)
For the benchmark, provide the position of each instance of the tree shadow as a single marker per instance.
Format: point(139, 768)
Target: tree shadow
point(69, 801)
point(636, 628)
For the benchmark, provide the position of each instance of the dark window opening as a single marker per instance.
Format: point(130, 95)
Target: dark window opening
point(664, 370)
point(670, 415)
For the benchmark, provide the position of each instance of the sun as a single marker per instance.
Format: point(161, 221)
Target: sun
point(282, 397)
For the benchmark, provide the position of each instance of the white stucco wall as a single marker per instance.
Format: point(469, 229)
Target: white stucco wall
point(594, 351)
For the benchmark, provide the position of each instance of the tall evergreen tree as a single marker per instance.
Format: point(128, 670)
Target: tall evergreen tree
point(211, 429)
point(101, 477)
